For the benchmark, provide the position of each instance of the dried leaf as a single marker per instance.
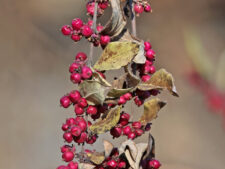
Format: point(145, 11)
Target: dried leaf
point(140, 57)
point(142, 148)
point(160, 80)
point(108, 147)
point(97, 77)
point(107, 123)
point(96, 157)
point(151, 109)
point(151, 148)
point(115, 93)
point(132, 80)
point(131, 146)
point(116, 55)
point(85, 166)
point(117, 22)
point(93, 91)
point(118, 83)
point(129, 159)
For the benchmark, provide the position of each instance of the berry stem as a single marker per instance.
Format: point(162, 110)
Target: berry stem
point(93, 28)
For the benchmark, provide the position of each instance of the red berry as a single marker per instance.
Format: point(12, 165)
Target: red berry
point(91, 140)
point(148, 8)
point(131, 135)
point(92, 110)
point(65, 127)
point(138, 8)
point(89, 123)
point(116, 132)
point(150, 54)
point(126, 130)
point(75, 131)
point(74, 96)
point(149, 62)
point(65, 101)
point(145, 69)
point(152, 69)
point(103, 5)
point(139, 132)
point(125, 116)
point(82, 138)
point(104, 40)
point(138, 102)
point(81, 56)
point(96, 116)
point(82, 102)
point(78, 110)
point(122, 100)
point(87, 31)
point(127, 96)
point(122, 164)
point(68, 137)
point(112, 164)
point(73, 165)
point(71, 121)
point(75, 78)
point(66, 30)
point(154, 92)
point(90, 8)
point(74, 67)
point(65, 148)
point(99, 28)
point(77, 23)
point(86, 72)
point(155, 164)
point(90, 23)
point(75, 37)
point(147, 45)
point(136, 125)
point(148, 127)
point(82, 125)
point(145, 78)
point(62, 167)
point(68, 156)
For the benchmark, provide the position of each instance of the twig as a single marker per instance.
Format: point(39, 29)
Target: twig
point(91, 53)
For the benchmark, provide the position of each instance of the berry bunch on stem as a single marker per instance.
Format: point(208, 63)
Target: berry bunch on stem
point(98, 103)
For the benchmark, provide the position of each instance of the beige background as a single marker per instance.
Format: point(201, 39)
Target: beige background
point(34, 74)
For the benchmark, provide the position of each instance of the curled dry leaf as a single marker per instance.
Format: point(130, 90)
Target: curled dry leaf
point(96, 157)
point(151, 109)
point(107, 123)
point(117, 22)
point(160, 80)
point(131, 147)
point(118, 83)
point(93, 91)
point(97, 77)
point(140, 57)
point(132, 80)
point(115, 93)
point(108, 147)
point(116, 55)
point(85, 166)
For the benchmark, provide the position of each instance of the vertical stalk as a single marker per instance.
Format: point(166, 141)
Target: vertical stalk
point(91, 53)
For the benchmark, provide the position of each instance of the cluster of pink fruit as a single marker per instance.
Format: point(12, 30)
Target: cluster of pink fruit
point(132, 131)
point(102, 5)
point(147, 69)
point(141, 6)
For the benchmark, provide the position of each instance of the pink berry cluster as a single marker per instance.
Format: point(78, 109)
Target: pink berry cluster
point(130, 129)
point(148, 68)
point(76, 129)
point(141, 6)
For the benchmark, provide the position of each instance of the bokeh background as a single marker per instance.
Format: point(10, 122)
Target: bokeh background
point(34, 59)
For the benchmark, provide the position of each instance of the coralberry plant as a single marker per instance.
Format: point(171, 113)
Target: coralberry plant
point(98, 104)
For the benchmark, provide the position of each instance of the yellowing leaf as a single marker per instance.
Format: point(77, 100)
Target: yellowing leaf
point(151, 109)
point(160, 80)
point(85, 166)
point(116, 55)
point(104, 125)
point(96, 158)
point(93, 91)
point(118, 92)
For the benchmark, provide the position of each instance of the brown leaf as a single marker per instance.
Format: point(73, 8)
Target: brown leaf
point(117, 22)
point(131, 146)
point(97, 77)
point(160, 80)
point(104, 125)
point(132, 80)
point(96, 157)
point(85, 166)
point(108, 147)
point(151, 109)
point(116, 55)
point(115, 93)
point(93, 91)
point(118, 83)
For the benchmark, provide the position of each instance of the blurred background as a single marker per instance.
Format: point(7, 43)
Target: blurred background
point(34, 59)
